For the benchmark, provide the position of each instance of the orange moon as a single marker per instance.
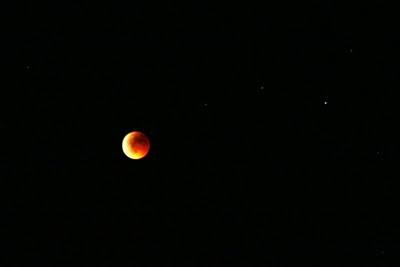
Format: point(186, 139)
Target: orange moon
point(135, 145)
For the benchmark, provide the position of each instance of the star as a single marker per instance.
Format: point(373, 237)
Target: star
point(379, 155)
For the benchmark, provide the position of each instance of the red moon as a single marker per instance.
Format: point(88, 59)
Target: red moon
point(136, 145)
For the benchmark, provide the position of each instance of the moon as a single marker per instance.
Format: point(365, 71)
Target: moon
point(135, 145)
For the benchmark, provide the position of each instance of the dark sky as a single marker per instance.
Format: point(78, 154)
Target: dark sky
point(274, 135)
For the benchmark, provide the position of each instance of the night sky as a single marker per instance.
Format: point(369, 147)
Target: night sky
point(274, 135)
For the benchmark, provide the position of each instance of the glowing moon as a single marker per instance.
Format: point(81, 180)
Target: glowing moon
point(135, 145)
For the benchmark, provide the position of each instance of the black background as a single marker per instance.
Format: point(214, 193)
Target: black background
point(248, 164)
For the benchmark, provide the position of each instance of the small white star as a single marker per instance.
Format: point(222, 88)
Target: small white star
point(381, 252)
